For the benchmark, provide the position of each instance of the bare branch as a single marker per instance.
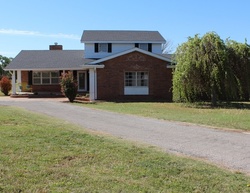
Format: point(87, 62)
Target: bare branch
point(168, 47)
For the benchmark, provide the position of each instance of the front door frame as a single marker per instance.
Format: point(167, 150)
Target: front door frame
point(85, 81)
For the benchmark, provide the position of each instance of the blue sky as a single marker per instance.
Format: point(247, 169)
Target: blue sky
point(35, 24)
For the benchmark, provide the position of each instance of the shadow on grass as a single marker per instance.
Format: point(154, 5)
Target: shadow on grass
point(224, 105)
point(201, 105)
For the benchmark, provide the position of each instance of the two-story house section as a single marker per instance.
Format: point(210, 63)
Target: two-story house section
point(115, 65)
point(102, 43)
point(134, 66)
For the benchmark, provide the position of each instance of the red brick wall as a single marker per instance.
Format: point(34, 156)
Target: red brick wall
point(110, 79)
point(46, 88)
point(25, 76)
point(55, 47)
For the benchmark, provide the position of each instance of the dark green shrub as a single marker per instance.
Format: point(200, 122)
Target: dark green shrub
point(69, 86)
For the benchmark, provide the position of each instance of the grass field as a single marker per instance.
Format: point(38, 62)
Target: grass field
point(234, 116)
point(39, 154)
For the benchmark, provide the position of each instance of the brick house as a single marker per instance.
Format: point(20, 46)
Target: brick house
point(115, 65)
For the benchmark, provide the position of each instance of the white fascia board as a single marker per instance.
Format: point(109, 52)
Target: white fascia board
point(88, 66)
point(129, 51)
point(43, 69)
point(84, 66)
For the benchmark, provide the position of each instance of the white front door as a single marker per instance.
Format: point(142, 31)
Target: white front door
point(82, 80)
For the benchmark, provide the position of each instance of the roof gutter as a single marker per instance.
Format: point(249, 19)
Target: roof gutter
point(85, 66)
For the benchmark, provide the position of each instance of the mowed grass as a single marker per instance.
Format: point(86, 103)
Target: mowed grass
point(236, 116)
point(39, 154)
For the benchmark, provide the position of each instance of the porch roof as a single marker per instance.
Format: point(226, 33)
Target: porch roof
point(49, 59)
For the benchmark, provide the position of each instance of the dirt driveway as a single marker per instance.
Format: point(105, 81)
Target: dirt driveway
point(225, 148)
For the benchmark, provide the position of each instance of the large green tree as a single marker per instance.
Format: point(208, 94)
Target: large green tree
point(202, 70)
point(186, 73)
point(239, 60)
point(4, 61)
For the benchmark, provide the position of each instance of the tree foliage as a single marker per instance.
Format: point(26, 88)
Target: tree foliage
point(239, 59)
point(69, 86)
point(210, 69)
point(4, 61)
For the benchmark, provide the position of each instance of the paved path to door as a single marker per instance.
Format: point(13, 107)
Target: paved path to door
point(225, 148)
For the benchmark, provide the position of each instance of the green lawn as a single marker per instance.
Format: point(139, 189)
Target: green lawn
point(235, 116)
point(40, 154)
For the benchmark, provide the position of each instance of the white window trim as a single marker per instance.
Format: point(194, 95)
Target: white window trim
point(135, 89)
point(136, 72)
point(41, 78)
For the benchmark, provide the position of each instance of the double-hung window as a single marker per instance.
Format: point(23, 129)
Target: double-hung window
point(45, 77)
point(103, 47)
point(144, 46)
point(136, 83)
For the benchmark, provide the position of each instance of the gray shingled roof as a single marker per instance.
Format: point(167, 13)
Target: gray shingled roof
point(121, 36)
point(48, 59)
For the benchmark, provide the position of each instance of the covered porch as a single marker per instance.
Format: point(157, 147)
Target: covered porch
point(47, 81)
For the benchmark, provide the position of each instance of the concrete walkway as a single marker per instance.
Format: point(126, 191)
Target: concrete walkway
point(225, 148)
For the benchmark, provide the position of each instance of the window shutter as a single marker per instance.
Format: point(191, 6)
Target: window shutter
point(96, 47)
point(137, 45)
point(74, 74)
point(87, 81)
point(60, 73)
point(109, 47)
point(30, 78)
point(150, 47)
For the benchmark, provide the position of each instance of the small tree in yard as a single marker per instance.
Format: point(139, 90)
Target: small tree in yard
point(69, 86)
point(5, 85)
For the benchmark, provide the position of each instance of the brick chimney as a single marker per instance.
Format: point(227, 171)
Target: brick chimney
point(55, 47)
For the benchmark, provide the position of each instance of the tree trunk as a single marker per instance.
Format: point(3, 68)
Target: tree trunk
point(213, 96)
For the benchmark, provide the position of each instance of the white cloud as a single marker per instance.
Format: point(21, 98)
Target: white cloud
point(35, 33)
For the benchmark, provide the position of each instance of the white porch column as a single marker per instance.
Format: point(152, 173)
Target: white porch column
point(13, 82)
point(19, 80)
point(92, 84)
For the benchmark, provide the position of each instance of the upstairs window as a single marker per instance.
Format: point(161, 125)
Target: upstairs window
point(103, 47)
point(144, 46)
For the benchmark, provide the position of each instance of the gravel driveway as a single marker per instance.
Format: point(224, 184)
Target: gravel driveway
point(225, 148)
